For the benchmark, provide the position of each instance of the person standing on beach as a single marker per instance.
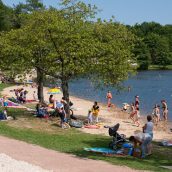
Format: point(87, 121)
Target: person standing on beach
point(109, 97)
point(137, 122)
point(133, 112)
point(156, 113)
point(164, 109)
point(137, 101)
point(148, 128)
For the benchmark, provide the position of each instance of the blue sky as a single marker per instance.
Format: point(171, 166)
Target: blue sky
point(126, 11)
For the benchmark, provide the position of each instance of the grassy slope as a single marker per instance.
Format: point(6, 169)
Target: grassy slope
point(73, 141)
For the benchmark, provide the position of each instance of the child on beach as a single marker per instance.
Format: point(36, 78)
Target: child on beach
point(90, 117)
point(95, 111)
point(137, 122)
point(62, 115)
point(34, 96)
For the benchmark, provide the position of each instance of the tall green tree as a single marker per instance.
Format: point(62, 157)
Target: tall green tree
point(65, 44)
point(142, 53)
point(5, 17)
point(26, 8)
point(159, 49)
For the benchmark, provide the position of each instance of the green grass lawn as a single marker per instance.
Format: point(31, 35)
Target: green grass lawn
point(47, 134)
point(73, 141)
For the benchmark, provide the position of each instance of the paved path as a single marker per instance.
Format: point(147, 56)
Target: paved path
point(53, 160)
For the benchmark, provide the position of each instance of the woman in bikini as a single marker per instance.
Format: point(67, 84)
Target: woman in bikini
point(164, 109)
point(133, 112)
point(109, 97)
point(156, 114)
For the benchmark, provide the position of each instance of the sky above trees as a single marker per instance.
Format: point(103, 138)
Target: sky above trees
point(125, 11)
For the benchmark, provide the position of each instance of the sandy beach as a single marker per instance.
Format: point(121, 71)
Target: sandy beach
point(107, 116)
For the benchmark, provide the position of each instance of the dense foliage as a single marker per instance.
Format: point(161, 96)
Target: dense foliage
point(154, 45)
point(65, 43)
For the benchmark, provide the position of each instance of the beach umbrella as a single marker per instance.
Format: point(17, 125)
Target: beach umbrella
point(54, 91)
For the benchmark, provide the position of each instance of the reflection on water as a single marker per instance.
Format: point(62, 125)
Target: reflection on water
point(151, 86)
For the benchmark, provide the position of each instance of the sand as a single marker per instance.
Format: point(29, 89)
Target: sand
point(107, 116)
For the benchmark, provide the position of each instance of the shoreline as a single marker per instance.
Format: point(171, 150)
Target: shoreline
point(107, 117)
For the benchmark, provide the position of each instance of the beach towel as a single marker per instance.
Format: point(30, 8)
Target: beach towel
point(101, 150)
point(92, 126)
point(76, 124)
point(30, 101)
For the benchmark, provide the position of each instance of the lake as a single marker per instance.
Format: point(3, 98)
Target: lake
point(151, 86)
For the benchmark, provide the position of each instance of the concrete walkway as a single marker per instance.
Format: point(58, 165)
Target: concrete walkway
point(53, 160)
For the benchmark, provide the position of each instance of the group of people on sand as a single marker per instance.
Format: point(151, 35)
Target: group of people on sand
point(135, 110)
point(54, 108)
point(20, 94)
point(157, 113)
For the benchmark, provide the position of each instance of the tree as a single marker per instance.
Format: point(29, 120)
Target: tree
point(142, 54)
point(5, 17)
point(159, 49)
point(65, 44)
point(26, 8)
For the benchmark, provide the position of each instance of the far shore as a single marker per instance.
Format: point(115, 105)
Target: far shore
point(107, 116)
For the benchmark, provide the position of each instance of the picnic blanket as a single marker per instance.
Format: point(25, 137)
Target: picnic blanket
point(92, 126)
point(76, 123)
point(101, 150)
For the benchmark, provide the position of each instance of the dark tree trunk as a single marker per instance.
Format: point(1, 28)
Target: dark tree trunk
point(40, 79)
point(65, 90)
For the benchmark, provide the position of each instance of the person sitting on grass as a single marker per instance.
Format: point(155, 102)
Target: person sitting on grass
point(90, 117)
point(41, 111)
point(52, 101)
point(143, 140)
point(62, 115)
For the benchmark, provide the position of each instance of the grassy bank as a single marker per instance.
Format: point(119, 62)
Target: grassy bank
point(157, 67)
point(73, 141)
point(48, 134)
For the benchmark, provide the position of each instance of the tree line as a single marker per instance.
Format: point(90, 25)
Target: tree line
point(153, 45)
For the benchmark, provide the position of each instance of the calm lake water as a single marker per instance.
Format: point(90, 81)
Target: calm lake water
point(151, 86)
